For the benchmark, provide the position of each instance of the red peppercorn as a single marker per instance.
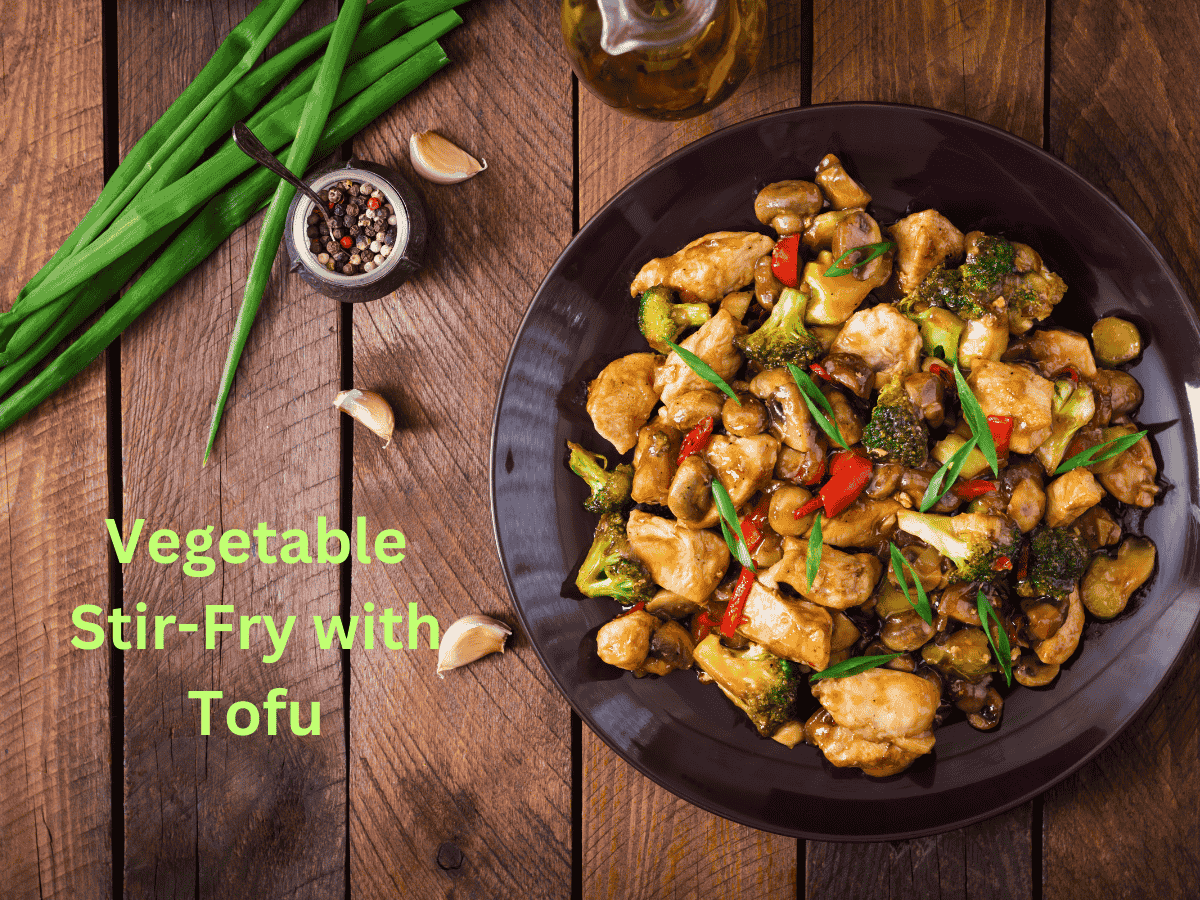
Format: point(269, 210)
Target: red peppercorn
point(373, 203)
point(347, 242)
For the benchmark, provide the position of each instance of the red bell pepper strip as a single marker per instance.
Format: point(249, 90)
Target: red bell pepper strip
point(737, 603)
point(1001, 428)
point(785, 260)
point(939, 370)
point(641, 604)
point(969, 490)
point(819, 370)
point(702, 625)
point(696, 439)
point(1002, 564)
point(850, 473)
point(820, 473)
point(752, 525)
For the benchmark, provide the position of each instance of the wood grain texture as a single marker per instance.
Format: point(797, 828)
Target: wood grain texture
point(480, 759)
point(979, 58)
point(639, 840)
point(1122, 116)
point(54, 741)
point(983, 60)
point(988, 861)
point(227, 815)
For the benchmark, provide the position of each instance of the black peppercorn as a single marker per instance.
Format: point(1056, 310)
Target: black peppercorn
point(341, 257)
point(349, 220)
point(336, 234)
point(370, 230)
point(390, 236)
point(338, 211)
point(352, 230)
point(352, 209)
point(347, 269)
point(330, 247)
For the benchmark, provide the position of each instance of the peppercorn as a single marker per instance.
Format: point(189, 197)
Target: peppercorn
point(390, 236)
point(330, 247)
point(347, 269)
point(370, 230)
point(341, 258)
point(334, 195)
point(338, 211)
point(347, 241)
point(353, 230)
point(352, 209)
point(373, 203)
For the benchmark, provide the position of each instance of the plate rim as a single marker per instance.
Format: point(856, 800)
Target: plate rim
point(694, 797)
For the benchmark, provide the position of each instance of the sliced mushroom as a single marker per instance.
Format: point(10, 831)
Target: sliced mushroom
point(1032, 672)
point(791, 421)
point(788, 206)
point(842, 191)
point(1117, 394)
point(928, 393)
point(690, 497)
point(654, 462)
point(858, 230)
point(767, 287)
point(745, 417)
point(688, 408)
point(1057, 648)
point(988, 716)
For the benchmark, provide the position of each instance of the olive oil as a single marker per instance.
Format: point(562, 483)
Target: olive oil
point(665, 82)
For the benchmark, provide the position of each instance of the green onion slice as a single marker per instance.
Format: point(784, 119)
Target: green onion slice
point(876, 250)
point(946, 475)
point(899, 563)
point(853, 666)
point(730, 527)
point(818, 405)
point(815, 546)
point(704, 370)
point(1003, 652)
point(977, 420)
point(1101, 452)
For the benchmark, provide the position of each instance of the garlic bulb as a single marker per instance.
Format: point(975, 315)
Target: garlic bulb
point(469, 639)
point(370, 409)
point(440, 161)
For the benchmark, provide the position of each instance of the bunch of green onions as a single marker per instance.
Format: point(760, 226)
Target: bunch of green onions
point(163, 200)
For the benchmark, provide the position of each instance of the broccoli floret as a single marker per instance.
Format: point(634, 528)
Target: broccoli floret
point(782, 338)
point(896, 431)
point(970, 290)
point(661, 319)
point(611, 569)
point(1074, 405)
point(610, 490)
point(1057, 560)
point(981, 546)
point(938, 288)
point(760, 684)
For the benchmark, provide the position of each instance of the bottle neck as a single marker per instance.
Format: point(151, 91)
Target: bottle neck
point(639, 26)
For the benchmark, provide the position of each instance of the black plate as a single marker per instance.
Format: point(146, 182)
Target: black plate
point(687, 736)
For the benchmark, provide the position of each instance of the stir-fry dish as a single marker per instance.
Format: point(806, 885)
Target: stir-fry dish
point(871, 485)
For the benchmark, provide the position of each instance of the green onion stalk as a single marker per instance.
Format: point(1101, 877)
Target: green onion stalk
point(219, 218)
point(146, 227)
point(312, 122)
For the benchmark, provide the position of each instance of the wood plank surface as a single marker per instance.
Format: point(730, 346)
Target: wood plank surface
point(54, 739)
point(979, 58)
point(983, 59)
point(460, 787)
point(639, 840)
point(1121, 115)
point(227, 815)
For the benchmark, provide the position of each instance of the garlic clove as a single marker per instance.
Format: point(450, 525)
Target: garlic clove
point(468, 639)
point(370, 409)
point(440, 161)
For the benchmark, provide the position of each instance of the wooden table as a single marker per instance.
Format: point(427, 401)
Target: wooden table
point(483, 784)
